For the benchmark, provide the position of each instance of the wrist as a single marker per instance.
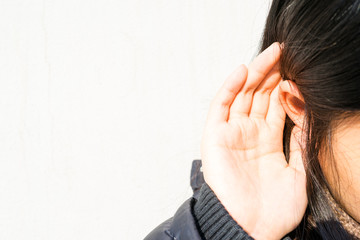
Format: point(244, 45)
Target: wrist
point(259, 228)
point(214, 220)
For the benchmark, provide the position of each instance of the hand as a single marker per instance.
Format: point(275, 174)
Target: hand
point(242, 151)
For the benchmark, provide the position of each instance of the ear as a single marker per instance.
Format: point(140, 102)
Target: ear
point(292, 102)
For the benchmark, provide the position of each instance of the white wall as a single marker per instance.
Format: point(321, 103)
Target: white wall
point(102, 106)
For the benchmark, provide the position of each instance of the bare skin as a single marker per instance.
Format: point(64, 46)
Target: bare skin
point(242, 151)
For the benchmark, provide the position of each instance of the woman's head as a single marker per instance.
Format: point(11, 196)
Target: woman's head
point(321, 61)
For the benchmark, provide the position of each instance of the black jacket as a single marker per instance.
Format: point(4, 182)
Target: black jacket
point(182, 225)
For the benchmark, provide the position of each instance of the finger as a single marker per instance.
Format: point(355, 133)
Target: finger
point(257, 71)
point(296, 145)
point(220, 106)
point(276, 114)
point(261, 97)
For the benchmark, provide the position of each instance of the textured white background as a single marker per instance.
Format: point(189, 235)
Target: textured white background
point(102, 107)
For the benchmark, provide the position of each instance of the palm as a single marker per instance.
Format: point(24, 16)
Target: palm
point(243, 154)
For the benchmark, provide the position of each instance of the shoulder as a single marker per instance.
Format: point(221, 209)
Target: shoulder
point(183, 224)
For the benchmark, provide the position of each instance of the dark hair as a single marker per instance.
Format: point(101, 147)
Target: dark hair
point(321, 54)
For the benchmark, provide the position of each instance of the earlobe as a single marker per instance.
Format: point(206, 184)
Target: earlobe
point(292, 102)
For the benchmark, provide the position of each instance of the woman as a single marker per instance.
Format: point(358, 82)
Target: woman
point(280, 150)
